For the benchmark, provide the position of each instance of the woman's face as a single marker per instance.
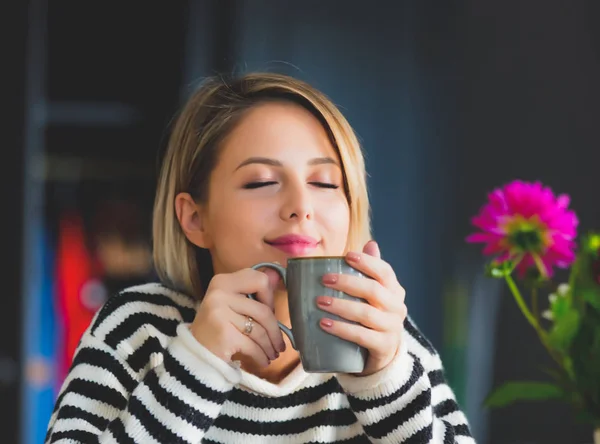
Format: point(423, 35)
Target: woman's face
point(277, 192)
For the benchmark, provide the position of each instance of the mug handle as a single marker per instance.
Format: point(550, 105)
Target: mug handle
point(283, 273)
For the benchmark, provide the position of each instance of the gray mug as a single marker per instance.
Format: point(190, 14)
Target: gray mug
point(320, 352)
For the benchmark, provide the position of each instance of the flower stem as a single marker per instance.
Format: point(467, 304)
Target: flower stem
point(542, 334)
point(520, 302)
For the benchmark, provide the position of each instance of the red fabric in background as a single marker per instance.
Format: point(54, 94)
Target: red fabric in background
point(74, 268)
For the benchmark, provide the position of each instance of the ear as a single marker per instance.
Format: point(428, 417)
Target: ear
point(192, 220)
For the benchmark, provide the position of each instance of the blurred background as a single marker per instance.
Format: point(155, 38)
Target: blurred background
point(450, 99)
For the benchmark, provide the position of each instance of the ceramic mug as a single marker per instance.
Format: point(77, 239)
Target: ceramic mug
point(320, 352)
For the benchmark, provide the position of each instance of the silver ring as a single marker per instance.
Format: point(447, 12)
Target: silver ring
point(248, 326)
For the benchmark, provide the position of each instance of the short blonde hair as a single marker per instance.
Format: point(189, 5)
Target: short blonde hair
point(209, 115)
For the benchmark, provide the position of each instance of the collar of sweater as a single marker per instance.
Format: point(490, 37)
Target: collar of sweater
point(297, 379)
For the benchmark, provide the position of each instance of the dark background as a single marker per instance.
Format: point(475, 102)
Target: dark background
point(449, 98)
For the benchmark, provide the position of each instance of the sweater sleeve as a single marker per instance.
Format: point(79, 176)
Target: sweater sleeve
point(174, 398)
point(409, 401)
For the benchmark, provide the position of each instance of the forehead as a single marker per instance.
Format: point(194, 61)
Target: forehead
point(282, 130)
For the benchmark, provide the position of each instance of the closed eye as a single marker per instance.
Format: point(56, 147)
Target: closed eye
point(325, 185)
point(254, 185)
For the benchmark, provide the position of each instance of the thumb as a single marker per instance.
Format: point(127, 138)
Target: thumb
point(372, 249)
point(267, 296)
point(274, 277)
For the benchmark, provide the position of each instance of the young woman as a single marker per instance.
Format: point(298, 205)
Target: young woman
point(260, 168)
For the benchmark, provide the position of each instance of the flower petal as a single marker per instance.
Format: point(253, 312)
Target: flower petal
point(527, 206)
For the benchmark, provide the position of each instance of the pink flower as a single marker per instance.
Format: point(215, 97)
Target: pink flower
point(527, 223)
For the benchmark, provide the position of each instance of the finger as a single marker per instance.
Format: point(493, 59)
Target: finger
point(373, 267)
point(252, 350)
point(368, 289)
point(263, 315)
point(375, 341)
point(273, 275)
point(257, 333)
point(247, 281)
point(362, 313)
point(266, 292)
point(372, 249)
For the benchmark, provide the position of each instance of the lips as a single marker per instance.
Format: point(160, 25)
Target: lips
point(294, 244)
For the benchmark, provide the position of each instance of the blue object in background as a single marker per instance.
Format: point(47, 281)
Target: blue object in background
point(40, 345)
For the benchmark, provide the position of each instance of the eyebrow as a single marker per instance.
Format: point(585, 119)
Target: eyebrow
point(277, 163)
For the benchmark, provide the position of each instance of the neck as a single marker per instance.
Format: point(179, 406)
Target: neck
point(288, 360)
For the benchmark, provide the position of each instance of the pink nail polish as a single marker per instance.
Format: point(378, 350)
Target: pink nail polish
point(324, 301)
point(352, 256)
point(330, 279)
point(327, 323)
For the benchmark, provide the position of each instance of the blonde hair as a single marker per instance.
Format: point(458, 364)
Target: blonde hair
point(207, 118)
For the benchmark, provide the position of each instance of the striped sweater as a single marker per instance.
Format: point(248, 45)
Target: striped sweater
point(139, 376)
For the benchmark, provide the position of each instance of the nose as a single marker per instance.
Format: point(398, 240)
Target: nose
point(297, 203)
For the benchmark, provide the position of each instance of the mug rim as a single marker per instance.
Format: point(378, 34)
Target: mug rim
point(303, 258)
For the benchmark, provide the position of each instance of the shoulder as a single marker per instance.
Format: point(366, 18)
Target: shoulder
point(140, 307)
point(415, 334)
point(420, 347)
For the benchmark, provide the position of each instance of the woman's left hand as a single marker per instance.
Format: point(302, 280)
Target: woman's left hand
point(381, 320)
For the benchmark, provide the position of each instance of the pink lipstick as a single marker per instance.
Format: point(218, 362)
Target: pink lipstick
point(294, 244)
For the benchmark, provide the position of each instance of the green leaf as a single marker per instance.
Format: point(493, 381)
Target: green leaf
point(584, 286)
point(592, 297)
point(560, 307)
point(585, 353)
point(564, 330)
point(511, 392)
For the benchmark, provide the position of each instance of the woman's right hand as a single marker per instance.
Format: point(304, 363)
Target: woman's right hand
point(221, 317)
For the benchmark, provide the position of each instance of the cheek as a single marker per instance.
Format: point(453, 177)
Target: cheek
point(335, 218)
point(241, 223)
point(234, 233)
point(233, 221)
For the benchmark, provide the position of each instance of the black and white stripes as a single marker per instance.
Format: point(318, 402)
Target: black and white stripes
point(139, 376)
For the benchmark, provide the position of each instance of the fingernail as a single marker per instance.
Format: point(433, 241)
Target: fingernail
point(330, 279)
point(282, 347)
point(352, 256)
point(324, 301)
point(327, 323)
point(376, 247)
